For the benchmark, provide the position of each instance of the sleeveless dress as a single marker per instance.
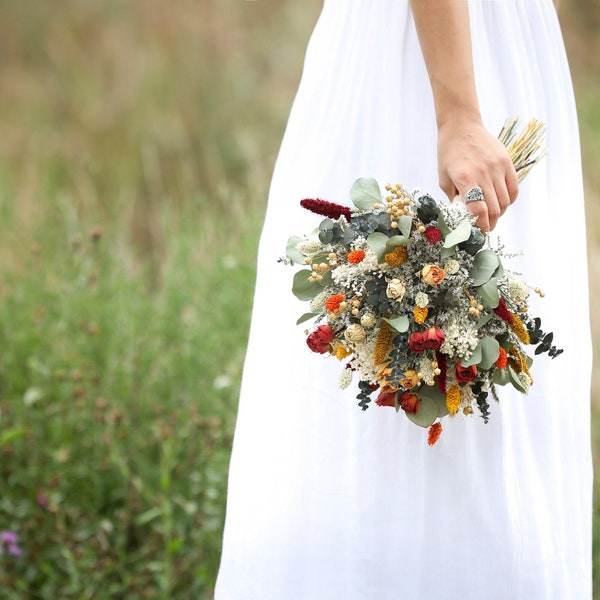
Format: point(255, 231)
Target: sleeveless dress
point(327, 502)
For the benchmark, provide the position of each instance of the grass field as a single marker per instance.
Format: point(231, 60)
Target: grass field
point(137, 142)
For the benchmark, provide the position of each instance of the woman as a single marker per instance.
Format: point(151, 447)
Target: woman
point(327, 502)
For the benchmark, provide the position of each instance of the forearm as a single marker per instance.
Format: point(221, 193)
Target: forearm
point(444, 34)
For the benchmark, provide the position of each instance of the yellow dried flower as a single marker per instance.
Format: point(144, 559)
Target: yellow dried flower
point(453, 399)
point(397, 257)
point(520, 330)
point(383, 343)
point(420, 314)
point(340, 351)
point(518, 362)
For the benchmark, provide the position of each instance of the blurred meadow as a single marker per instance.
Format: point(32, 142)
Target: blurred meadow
point(137, 141)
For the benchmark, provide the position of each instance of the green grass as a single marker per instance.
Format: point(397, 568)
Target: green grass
point(137, 144)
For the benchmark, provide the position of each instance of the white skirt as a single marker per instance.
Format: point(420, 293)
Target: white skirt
point(327, 502)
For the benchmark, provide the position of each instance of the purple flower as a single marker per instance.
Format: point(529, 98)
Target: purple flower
point(9, 542)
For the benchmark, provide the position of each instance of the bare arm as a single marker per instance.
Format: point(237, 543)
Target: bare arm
point(468, 155)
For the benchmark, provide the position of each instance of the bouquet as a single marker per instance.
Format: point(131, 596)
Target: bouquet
point(415, 301)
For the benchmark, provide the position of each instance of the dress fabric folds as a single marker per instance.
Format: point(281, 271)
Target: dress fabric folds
point(327, 502)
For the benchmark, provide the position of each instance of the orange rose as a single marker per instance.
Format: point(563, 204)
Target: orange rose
point(410, 380)
point(386, 398)
point(432, 274)
point(409, 402)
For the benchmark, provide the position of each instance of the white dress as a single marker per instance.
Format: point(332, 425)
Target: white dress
point(327, 502)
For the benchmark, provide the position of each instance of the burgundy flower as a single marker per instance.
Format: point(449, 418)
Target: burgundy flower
point(416, 342)
point(319, 340)
point(465, 374)
point(433, 234)
point(326, 209)
point(502, 311)
point(443, 366)
point(433, 338)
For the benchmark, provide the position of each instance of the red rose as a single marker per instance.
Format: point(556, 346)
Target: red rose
point(433, 234)
point(409, 402)
point(416, 342)
point(386, 399)
point(319, 340)
point(433, 338)
point(465, 374)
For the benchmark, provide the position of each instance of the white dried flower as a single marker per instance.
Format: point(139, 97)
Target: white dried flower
point(368, 320)
point(355, 333)
point(518, 290)
point(308, 247)
point(451, 266)
point(395, 289)
point(317, 304)
point(525, 381)
point(421, 299)
point(345, 379)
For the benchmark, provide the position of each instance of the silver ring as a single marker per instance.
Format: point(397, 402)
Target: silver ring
point(474, 195)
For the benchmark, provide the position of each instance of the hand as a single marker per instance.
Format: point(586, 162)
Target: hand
point(470, 156)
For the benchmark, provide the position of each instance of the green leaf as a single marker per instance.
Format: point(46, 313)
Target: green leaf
point(501, 377)
point(483, 320)
point(149, 515)
point(474, 358)
point(365, 193)
point(405, 225)
point(400, 324)
point(307, 317)
point(447, 252)
point(484, 265)
point(433, 392)
point(10, 435)
point(292, 252)
point(442, 225)
point(427, 412)
point(377, 241)
point(514, 379)
point(397, 240)
point(490, 351)
point(304, 289)
point(489, 293)
point(460, 234)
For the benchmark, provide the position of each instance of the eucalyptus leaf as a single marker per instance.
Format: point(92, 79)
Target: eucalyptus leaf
point(378, 243)
point(501, 377)
point(365, 193)
point(400, 324)
point(483, 319)
point(460, 234)
point(292, 252)
point(447, 252)
point(326, 225)
point(304, 289)
point(442, 225)
point(397, 240)
point(490, 351)
point(489, 293)
point(306, 317)
point(405, 225)
point(427, 412)
point(474, 359)
point(433, 392)
point(484, 265)
point(514, 379)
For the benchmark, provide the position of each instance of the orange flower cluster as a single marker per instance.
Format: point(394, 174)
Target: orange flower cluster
point(420, 314)
point(502, 361)
point(434, 433)
point(397, 257)
point(333, 302)
point(356, 256)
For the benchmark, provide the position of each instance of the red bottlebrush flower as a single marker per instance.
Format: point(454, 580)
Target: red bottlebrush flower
point(502, 311)
point(318, 341)
point(434, 433)
point(386, 399)
point(326, 209)
point(433, 338)
point(443, 367)
point(356, 256)
point(502, 361)
point(409, 402)
point(465, 374)
point(416, 342)
point(433, 234)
